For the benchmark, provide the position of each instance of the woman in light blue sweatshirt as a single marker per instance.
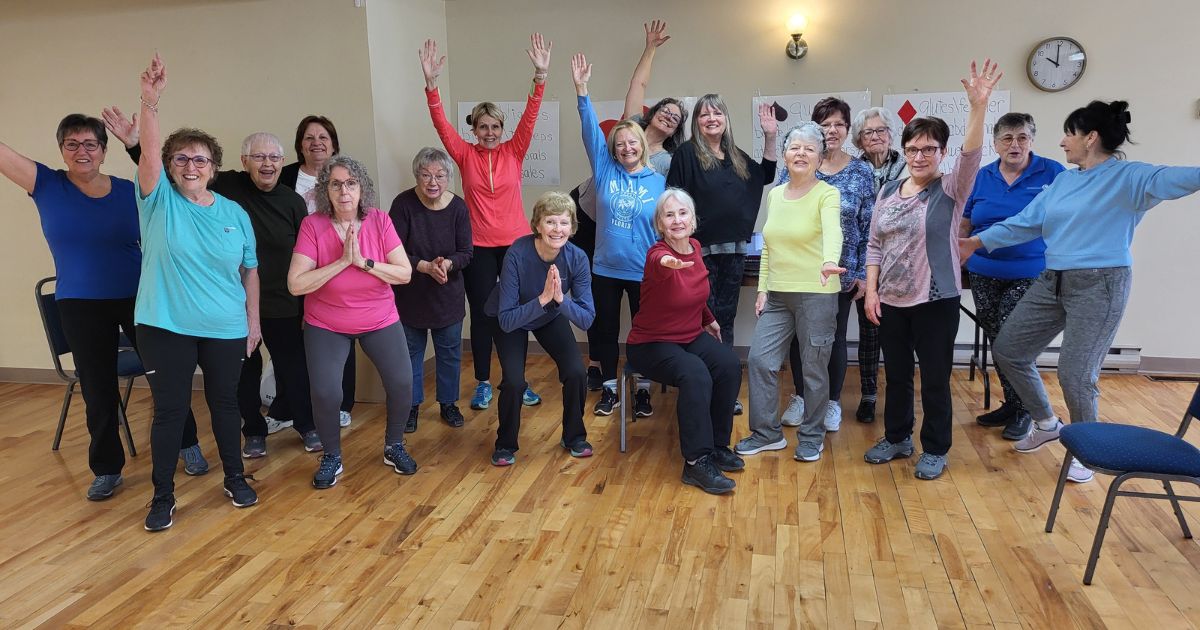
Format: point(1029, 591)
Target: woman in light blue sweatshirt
point(626, 193)
point(1087, 218)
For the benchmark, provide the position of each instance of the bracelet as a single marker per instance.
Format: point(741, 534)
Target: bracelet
point(154, 107)
point(539, 75)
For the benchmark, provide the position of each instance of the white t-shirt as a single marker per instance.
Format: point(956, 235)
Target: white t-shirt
point(304, 187)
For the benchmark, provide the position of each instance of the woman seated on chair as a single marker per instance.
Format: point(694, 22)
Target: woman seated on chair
point(675, 340)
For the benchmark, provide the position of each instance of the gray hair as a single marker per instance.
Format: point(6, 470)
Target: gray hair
point(861, 118)
point(367, 198)
point(1014, 121)
point(260, 136)
point(432, 155)
point(680, 195)
point(807, 131)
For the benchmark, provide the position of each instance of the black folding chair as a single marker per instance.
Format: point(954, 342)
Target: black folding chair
point(129, 365)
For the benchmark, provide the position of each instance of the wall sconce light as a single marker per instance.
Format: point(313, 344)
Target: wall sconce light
point(797, 48)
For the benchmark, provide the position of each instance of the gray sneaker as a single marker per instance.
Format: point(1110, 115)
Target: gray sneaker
point(930, 466)
point(255, 447)
point(754, 444)
point(312, 441)
point(809, 451)
point(1038, 438)
point(103, 487)
point(884, 451)
point(833, 416)
point(193, 460)
point(794, 413)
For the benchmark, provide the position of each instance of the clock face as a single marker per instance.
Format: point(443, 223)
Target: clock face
point(1056, 64)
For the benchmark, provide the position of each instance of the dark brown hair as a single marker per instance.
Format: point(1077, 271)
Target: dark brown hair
point(73, 123)
point(829, 106)
point(320, 120)
point(1109, 120)
point(935, 128)
point(187, 137)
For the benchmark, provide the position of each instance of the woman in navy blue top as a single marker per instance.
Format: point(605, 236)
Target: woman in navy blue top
point(1000, 278)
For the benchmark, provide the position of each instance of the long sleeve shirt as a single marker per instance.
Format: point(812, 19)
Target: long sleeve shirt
point(429, 234)
point(514, 301)
point(800, 236)
point(855, 185)
point(726, 205)
point(674, 303)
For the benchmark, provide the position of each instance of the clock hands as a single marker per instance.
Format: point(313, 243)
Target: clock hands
point(1057, 52)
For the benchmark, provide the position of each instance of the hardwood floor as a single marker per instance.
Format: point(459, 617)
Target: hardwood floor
point(614, 541)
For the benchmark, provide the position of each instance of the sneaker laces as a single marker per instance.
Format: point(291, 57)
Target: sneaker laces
point(399, 453)
point(161, 503)
point(239, 481)
point(329, 465)
point(929, 459)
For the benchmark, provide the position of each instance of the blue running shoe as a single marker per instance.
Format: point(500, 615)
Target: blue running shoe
point(529, 398)
point(483, 396)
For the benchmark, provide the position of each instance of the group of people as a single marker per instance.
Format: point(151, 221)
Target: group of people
point(199, 265)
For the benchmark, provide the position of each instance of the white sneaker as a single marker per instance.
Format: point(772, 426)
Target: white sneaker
point(1079, 473)
point(833, 416)
point(343, 418)
point(794, 413)
point(275, 426)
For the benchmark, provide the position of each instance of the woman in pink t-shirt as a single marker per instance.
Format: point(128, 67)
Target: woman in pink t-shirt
point(346, 258)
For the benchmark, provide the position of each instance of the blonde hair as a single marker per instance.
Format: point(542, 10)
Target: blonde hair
point(640, 135)
point(708, 159)
point(553, 203)
point(680, 195)
point(486, 108)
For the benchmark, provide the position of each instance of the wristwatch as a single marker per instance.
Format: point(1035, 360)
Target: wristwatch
point(368, 265)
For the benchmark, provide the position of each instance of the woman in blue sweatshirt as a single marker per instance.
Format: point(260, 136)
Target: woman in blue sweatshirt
point(626, 192)
point(544, 287)
point(1087, 218)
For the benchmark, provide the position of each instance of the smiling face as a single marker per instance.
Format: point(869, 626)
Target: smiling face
point(79, 158)
point(835, 127)
point(263, 162)
point(488, 131)
point(316, 146)
point(676, 221)
point(924, 156)
point(627, 149)
point(666, 120)
point(712, 123)
point(802, 157)
point(432, 182)
point(875, 137)
point(1014, 145)
point(554, 230)
point(189, 178)
point(344, 193)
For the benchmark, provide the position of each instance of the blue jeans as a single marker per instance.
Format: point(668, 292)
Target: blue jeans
point(447, 349)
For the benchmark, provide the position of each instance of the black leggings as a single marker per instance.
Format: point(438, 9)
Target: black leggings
point(929, 329)
point(284, 338)
point(171, 359)
point(603, 336)
point(480, 278)
point(558, 341)
point(837, 360)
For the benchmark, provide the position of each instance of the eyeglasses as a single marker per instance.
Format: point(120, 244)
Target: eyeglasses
point(832, 126)
point(670, 117)
point(348, 185)
point(930, 151)
point(182, 160)
point(88, 145)
point(263, 157)
point(440, 178)
point(875, 131)
point(1008, 140)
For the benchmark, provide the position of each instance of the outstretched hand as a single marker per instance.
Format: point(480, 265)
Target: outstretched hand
point(655, 33)
point(431, 64)
point(581, 70)
point(766, 119)
point(119, 126)
point(539, 53)
point(671, 262)
point(979, 85)
point(154, 80)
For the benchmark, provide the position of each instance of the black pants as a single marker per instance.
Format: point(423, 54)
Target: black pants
point(603, 335)
point(480, 278)
point(837, 360)
point(91, 328)
point(284, 338)
point(708, 375)
point(558, 341)
point(725, 273)
point(171, 359)
point(929, 329)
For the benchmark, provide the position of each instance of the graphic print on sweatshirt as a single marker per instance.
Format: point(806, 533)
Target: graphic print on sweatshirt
point(626, 199)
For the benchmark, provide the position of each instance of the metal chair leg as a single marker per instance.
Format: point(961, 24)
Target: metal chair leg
point(62, 417)
point(622, 403)
point(974, 354)
point(1187, 533)
point(122, 408)
point(1101, 529)
point(1058, 492)
point(983, 372)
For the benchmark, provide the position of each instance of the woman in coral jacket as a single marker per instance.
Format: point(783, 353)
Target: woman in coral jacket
point(491, 179)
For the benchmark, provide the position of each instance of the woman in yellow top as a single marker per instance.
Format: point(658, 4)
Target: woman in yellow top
point(802, 242)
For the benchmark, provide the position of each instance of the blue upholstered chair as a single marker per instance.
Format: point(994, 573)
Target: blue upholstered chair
point(1129, 452)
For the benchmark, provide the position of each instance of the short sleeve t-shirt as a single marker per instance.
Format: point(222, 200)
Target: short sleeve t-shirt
point(192, 257)
point(305, 187)
point(354, 301)
point(94, 242)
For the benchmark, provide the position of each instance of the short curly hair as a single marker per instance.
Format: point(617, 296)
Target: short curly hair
point(367, 199)
point(187, 137)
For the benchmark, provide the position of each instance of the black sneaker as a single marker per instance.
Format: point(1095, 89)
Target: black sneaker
point(866, 411)
point(237, 489)
point(737, 408)
point(705, 475)
point(726, 460)
point(328, 471)
point(998, 417)
point(1020, 426)
point(641, 404)
point(595, 380)
point(399, 459)
point(162, 509)
point(103, 487)
point(410, 426)
point(608, 399)
point(452, 415)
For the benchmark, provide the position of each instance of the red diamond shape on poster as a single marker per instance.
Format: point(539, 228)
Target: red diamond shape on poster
point(907, 111)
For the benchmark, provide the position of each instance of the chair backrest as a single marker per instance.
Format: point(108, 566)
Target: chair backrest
point(52, 324)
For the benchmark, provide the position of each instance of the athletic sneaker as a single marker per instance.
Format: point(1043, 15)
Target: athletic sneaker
point(930, 466)
point(395, 456)
point(754, 444)
point(737, 408)
point(327, 471)
point(595, 379)
point(608, 400)
point(726, 460)
point(103, 487)
point(162, 509)
point(193, 461)
point(833, 416)
point(705, 475)
point(237, 489)
point(452, 415)
point(312, 441)
point(641, 404)
point(344, 419)
point(884, 451)
point(1038, 438)
point(999, 416)
point(794, 414)
point(255, 447)
point(866, 410)
point(578, 448)
point(275, 426)
point(530, 397)
point(1018, 426)
point(809, 451)
point(503, 457)
point(1078, 472)
point(483, 396)
point(410, 425)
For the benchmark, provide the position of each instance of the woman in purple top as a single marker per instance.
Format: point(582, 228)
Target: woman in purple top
point(913, 277)
point(436, 226)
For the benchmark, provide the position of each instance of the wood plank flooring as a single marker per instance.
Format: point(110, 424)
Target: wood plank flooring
point(614, 541)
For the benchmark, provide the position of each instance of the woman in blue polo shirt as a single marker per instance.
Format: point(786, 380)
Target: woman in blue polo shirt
point(999, 278)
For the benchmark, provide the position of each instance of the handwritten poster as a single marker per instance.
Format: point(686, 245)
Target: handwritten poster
point(953, 108)
point(541, 166)
point(793, 109)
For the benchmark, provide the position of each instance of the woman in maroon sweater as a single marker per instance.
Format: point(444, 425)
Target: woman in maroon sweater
point(668, 343)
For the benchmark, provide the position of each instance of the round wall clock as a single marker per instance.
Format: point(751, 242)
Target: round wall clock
point(1056, 63)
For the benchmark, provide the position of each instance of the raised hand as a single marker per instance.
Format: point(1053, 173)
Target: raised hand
point(119, 126)
point(979, 85)
point(671, 262)
point(830, 269)
point(767, 120)
point(431, 64)
point(154, 81)
point(581, 70)
point(655, 33)
point(539, 53)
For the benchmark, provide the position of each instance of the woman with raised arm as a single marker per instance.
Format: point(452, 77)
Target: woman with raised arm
point(491, 181)
point(346, 260)
point(664, 121)
point(1087, 218)
point(913, 278)
point(626, 190)
point(197, 300)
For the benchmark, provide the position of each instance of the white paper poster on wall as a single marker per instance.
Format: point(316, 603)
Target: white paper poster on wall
point(541, 166)
point(953, 108)
point(793, 109)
